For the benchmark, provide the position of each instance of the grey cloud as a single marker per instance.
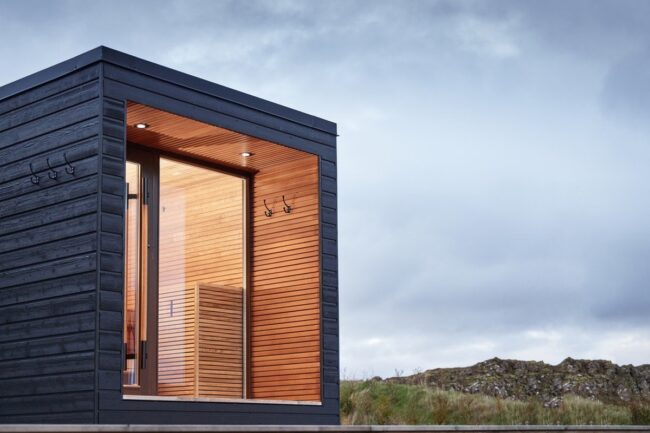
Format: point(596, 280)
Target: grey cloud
point(492, 158)
point(626, 91)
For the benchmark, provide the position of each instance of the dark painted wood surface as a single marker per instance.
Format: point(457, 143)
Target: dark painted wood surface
point(48, 250)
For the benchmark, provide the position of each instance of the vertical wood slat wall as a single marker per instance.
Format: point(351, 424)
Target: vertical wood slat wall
point(285, 338)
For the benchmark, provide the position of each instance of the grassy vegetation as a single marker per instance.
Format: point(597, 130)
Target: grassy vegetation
point(374, 402)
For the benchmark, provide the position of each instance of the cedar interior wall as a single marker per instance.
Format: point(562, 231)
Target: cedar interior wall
point(285, 310)
point(48, 251)
point(285, 356)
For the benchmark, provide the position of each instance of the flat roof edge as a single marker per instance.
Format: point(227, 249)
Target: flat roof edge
point(51, 73)
point(145, 67)
point(165, 73)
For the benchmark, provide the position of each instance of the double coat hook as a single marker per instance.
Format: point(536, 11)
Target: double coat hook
point(286, 208)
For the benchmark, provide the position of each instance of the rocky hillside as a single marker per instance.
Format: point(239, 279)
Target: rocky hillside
point(523, 380)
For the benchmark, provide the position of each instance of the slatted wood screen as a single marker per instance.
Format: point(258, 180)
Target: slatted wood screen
point(219, 362)
point(285, 299)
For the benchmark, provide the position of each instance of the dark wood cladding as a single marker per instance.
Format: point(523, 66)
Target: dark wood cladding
point(61, 249)
point(48, 250)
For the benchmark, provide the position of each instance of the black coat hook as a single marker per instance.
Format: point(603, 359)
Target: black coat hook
point(69, 169)
point(35, 178)
point(268, 212)
point(52, 174)
point(286, 208)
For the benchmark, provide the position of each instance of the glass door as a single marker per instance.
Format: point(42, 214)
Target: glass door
point(201, 282)
point(185, 303)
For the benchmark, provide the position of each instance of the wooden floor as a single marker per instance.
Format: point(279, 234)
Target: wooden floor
point(79, 428)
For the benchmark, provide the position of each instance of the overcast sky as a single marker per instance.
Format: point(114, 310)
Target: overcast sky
point(494, 157)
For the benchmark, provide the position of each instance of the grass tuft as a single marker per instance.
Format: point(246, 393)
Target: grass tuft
point(376, 402)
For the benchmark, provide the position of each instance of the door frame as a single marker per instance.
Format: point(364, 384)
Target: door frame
point(149, 160)
point(148, 362)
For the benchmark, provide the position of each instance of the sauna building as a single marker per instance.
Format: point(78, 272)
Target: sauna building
point(168, 251)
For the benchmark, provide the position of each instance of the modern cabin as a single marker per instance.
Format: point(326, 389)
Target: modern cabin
point(168, 251)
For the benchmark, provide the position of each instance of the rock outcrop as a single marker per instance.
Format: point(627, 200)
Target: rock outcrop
point(524, 380)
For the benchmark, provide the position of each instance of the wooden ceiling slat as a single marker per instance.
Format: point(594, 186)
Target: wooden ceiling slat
point(180, 135)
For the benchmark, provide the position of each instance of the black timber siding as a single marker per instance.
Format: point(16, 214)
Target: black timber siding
point(48, 250)
point(61, 241)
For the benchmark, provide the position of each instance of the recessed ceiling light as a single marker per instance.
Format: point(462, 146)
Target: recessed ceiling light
point(246, 154)
point(141, 125)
